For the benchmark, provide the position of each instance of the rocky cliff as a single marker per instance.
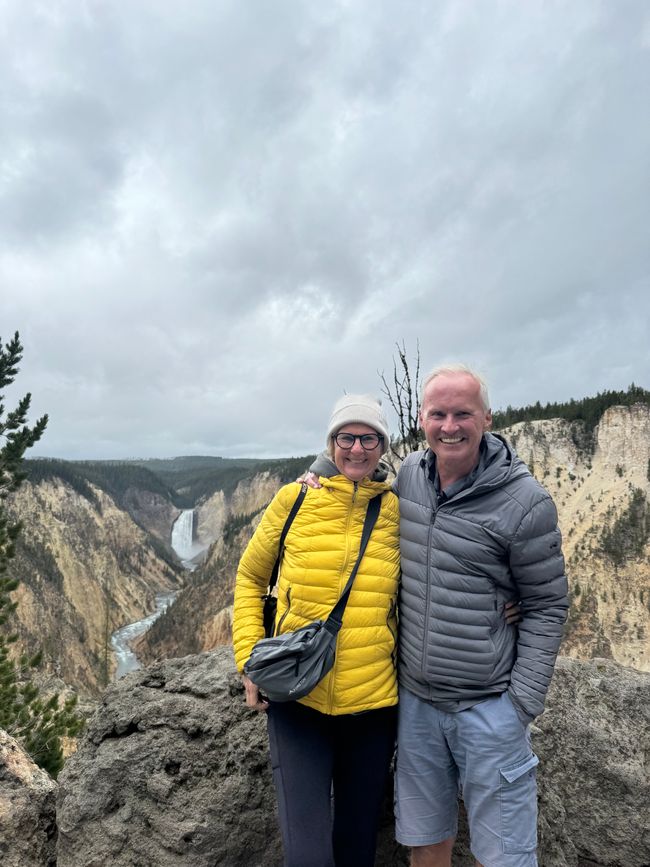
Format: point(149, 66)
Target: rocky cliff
point(27, 809)
point(85, 568)
point(210, 517)
point(602, 495)
point(173, 771)
point(151, 511)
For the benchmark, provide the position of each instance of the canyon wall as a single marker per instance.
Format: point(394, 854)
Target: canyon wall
point(609, 578)
point(85, 568)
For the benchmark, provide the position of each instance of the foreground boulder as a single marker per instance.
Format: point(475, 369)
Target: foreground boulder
point(27, 823)
point(173, 770)
point(593, 741)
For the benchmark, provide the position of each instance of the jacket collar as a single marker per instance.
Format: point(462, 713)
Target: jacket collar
point(498, 463)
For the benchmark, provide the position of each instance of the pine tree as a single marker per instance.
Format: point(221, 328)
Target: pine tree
point(37, 723)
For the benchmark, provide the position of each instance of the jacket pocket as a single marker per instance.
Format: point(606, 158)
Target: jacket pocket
point(519, 806)
point(391, 623)
point(502, 641)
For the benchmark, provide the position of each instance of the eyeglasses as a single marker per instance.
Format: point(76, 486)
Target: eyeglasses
point(347, 440)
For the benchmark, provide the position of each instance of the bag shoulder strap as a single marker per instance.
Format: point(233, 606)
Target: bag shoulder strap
point(283, 535)
point(335, 618)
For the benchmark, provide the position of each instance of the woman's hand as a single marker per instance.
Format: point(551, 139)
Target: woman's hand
point(253, 698)
point(512, 612)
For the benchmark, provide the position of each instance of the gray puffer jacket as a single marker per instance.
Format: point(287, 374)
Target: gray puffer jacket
point(462, 560)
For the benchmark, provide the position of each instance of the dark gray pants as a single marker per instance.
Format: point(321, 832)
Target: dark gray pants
point(330, 773)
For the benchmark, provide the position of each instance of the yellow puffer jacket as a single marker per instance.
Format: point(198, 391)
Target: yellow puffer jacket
point(320, 551)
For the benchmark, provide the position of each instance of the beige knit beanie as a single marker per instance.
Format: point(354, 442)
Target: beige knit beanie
point(358, 409)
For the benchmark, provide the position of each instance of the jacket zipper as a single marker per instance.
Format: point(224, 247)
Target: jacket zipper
point(434, 512)
point(435, 507)
point(427, 608)
point(330, 691)
point(278, 628)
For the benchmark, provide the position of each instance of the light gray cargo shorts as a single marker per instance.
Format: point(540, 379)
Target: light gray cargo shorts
point(482, 754)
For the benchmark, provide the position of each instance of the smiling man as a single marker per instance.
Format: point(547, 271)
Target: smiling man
point(476, 530)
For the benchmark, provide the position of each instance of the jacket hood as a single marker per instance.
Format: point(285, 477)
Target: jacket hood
point(500, 462)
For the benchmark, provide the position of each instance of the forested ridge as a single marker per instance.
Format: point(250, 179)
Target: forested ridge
point(194, 482)
point(588, 410)
point(113, 477)
point(182, 481)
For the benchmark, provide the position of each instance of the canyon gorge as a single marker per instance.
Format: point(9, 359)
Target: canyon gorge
point(95, 552)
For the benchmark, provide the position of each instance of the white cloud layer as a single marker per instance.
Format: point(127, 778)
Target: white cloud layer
point(215, 217)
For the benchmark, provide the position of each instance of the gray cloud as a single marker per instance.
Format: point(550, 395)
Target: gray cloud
point(214, 220)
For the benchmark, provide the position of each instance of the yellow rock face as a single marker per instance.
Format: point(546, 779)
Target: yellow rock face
point(610, 612)
point(85, 569)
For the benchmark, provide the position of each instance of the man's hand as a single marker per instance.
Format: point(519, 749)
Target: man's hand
point(253, 698)
point(310, 479)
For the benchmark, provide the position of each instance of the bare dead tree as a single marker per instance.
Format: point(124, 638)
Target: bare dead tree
point(403, 394)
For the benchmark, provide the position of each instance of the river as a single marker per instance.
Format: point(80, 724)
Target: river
point(126, 659)
point(185, 548)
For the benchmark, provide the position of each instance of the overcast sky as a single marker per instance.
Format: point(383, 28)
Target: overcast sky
point(216, 217)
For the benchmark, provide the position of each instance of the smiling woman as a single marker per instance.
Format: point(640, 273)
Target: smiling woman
point(340, 737)
point(356, 451)
point(357, 436)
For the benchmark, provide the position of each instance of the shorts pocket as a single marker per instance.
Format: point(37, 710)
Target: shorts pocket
point(519, 806)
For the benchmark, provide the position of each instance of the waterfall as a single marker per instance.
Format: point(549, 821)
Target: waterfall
point(183, 535)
